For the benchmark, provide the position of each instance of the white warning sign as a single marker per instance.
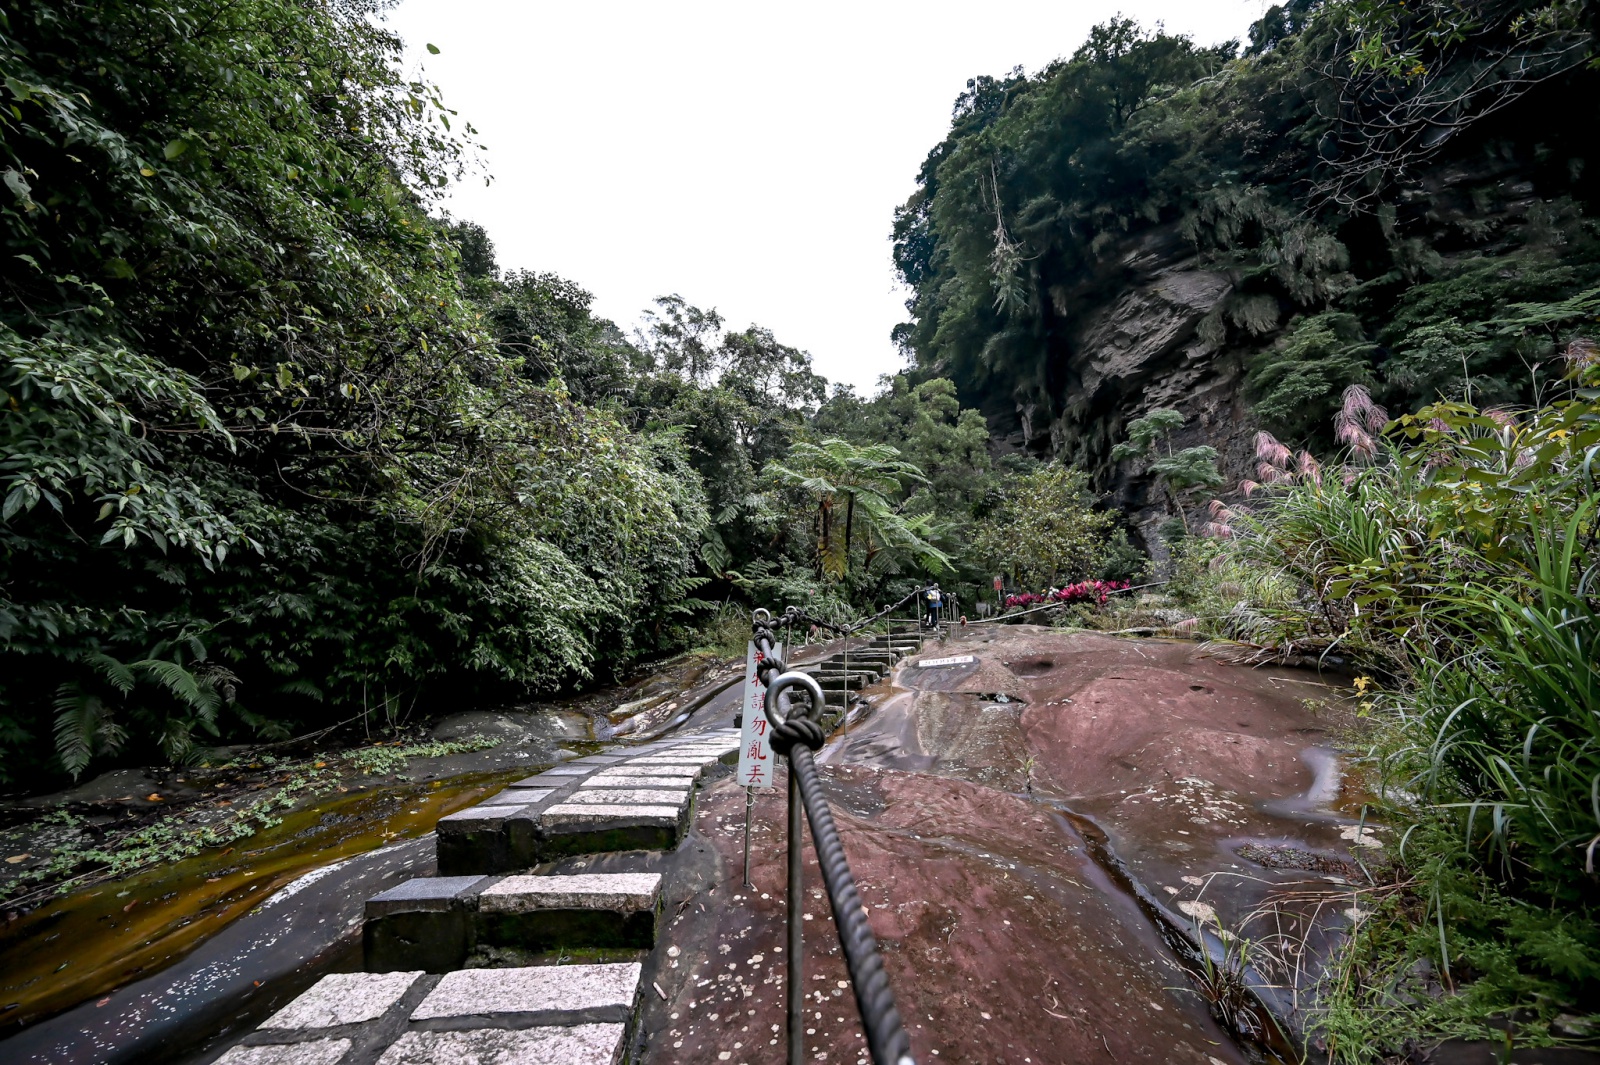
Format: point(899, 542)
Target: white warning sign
point(958, 660)
point(755, 747)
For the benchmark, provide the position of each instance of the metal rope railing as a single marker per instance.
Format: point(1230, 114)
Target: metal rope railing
point(796, 732)
point(845, 630)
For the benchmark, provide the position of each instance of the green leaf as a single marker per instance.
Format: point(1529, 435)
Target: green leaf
point(175, 148)
point(433, 49)
point(15, 499)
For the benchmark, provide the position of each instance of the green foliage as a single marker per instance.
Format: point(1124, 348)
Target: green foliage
point(1449, 952)
point(381, 760)
point(1329, 187)
point(1297, 381)
point(277, 445)
point(1122, 561)
point(1044, 533)
point(1461, 567)
point(1180, 472)
point(858, 482)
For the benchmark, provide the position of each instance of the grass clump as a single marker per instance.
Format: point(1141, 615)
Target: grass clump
point(1454, 560)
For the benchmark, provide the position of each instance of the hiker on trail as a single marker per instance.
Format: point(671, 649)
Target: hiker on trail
point(931, 600)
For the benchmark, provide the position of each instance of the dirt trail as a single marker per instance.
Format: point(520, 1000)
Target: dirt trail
point(959, 794)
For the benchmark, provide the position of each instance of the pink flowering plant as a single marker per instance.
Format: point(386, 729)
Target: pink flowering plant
point(1082, 592)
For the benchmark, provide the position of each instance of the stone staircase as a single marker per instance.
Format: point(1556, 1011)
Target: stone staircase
point(417, 1003)
point(867, 663)
point(424, 999)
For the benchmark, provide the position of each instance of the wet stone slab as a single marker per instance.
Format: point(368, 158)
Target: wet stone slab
point(640, 780)
point(579, 912)
point(552, 779)
point(583, 1044)
point(488, 839)
point(602, 891)
point(626, 797)
point(548, 1015)
point(592, 828)
point(343, 998)
point(420, 924)
point(436, 893)
point(588, 815)
point(635, 769)
point(518, 797)
point(598, 993)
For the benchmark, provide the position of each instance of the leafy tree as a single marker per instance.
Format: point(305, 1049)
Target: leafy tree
point(1178, 472)
point(1045, 531)
point(1054, 192)
point(867, 477)
point(682, 339)
point(264, 463)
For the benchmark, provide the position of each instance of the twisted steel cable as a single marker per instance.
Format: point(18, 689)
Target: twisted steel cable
point(795, 735)
point(886, 1033)
point(797, 614)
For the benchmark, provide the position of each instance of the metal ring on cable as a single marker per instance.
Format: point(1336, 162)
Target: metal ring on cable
point(761, 616)
point(781, 684)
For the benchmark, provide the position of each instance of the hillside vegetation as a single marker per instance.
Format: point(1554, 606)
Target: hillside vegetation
point(284, 447)
point(1367, 193)
point(1318, 316)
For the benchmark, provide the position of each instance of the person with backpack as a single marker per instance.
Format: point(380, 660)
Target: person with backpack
point(932, 599)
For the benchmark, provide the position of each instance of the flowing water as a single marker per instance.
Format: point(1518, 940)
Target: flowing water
point(143, 928)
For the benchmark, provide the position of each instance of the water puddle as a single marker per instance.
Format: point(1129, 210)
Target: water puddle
point(86, 944)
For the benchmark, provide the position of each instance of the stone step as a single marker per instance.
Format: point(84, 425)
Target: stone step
point(856, 665)
point(840, 679)
point(434, 923)
point(857, 661)
point(873, 651)
point(882, 661)
point(425, 923)
point(552, 1015)
point(639, 799)
point(582, 910)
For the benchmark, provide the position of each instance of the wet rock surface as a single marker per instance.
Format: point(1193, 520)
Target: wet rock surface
point(1027, 812)
point(1003, 940)
point(1027, 829)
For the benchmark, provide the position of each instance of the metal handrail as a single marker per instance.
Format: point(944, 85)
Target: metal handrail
point(796, 732)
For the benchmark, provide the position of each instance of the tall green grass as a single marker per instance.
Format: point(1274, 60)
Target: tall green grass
point(1456, 562)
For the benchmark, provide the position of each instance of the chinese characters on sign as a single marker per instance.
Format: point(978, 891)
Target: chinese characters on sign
point(755, 748)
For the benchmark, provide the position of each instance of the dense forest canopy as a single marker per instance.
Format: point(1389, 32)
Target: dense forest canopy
point(1369, 193)
point(283, 446)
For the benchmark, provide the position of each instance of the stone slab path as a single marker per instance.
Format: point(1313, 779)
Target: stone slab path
point(419, 1005)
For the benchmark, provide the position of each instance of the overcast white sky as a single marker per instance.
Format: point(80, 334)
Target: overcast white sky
point(748, 156)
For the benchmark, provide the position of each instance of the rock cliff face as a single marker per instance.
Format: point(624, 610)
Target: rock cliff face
point(1151, 338)
point(1149, 330)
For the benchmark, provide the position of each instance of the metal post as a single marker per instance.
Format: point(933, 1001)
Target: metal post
point(749, 802)
point(797, 993)
point(847, 684)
